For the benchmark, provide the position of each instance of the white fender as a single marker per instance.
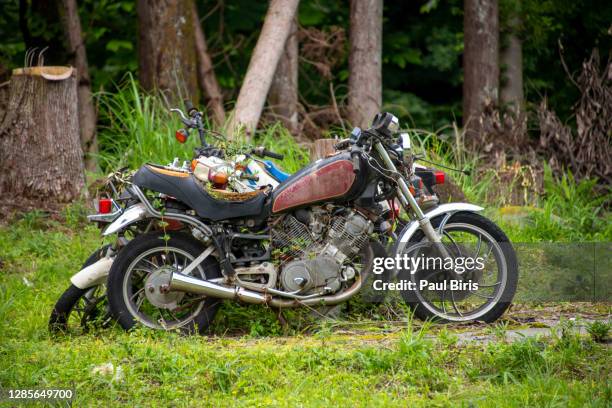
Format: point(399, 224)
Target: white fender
point(135, 213)
point(92, 275)
point(443, 209)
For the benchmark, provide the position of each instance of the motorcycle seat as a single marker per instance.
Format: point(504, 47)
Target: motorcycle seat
point(187, 189)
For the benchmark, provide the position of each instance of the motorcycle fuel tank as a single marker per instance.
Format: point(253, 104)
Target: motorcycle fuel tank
point(327, 179)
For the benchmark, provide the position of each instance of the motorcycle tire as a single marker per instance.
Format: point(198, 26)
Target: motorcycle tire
point(117, 280)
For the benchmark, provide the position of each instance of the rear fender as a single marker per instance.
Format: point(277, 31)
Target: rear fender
point(133, 214)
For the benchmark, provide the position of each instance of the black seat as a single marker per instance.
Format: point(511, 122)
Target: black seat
point(185, 188)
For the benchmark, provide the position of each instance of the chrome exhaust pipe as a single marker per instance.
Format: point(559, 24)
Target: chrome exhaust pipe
point(186, 283)
point(321, 300)
point(190, 284)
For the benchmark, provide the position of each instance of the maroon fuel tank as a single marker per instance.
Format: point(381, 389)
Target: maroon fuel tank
point(329, 179)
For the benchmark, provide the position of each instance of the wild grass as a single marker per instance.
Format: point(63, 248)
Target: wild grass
point(138, 127)
point(567, 210)
point(320, 367)
point(317, 365)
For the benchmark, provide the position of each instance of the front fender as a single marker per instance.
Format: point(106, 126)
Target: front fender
point(411, 228)
point(133, 214)
point(444, 209)
point(92, 275)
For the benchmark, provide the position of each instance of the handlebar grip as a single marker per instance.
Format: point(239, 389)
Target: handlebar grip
point(343, 144)
point(273, 155)
point(356, 163)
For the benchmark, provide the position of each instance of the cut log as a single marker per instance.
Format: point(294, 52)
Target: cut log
point(267, 53)
point(322, 147)
point(40, 150)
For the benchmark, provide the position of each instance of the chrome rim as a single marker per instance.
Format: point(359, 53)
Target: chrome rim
point(161, 311)
point(463, 305)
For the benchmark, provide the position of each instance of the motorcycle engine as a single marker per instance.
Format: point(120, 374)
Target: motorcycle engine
point(315, 258)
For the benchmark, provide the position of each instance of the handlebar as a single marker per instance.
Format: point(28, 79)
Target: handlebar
point(263, 152)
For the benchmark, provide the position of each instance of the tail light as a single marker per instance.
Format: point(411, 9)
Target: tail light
point(104, 206)
point(440, 176)
point(181, 135)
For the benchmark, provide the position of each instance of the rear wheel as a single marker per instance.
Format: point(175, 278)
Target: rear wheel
point(146, 262)
point(465, 235)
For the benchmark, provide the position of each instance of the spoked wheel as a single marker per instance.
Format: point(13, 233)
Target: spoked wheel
point(79, 310)
point(478, 290)
point(147, 263)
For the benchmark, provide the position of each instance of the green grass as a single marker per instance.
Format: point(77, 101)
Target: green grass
point(322, 362)
point(319, 364)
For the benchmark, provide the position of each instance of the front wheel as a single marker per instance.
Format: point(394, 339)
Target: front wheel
point(82, 308)
point(141, 266)
point(456, 291)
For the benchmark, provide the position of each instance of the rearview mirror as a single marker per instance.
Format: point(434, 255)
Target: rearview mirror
point(405, 139)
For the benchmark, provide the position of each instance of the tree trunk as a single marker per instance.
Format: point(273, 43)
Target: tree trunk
point(511, 58)
point(41, 157)
point(365, 61)
point(206, 74)
point(480, 61)
point(267, 53)
point(87, 110)
point(167, 53)
point(283, 97)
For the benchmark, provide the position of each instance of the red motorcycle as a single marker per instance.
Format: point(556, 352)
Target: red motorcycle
point(309, 242)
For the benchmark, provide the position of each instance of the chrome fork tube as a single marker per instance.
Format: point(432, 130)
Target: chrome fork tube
point(406, 197)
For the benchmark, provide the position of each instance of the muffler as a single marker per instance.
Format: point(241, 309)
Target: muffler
point(186, 283)
point(190, 284)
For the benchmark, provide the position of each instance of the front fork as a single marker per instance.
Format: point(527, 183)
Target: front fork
point(408, 201)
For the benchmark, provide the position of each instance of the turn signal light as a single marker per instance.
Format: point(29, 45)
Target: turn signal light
point(104, 205)
point(181, 135)
point(440, 176)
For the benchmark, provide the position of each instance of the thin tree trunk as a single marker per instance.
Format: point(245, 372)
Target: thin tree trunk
point(365, 61)
point(87, 110)
point(511, 59)
point(283, 97)
point(265, 58)
point(166, 52)
point(40, 153)
point(206, 74)
point(480, 61)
